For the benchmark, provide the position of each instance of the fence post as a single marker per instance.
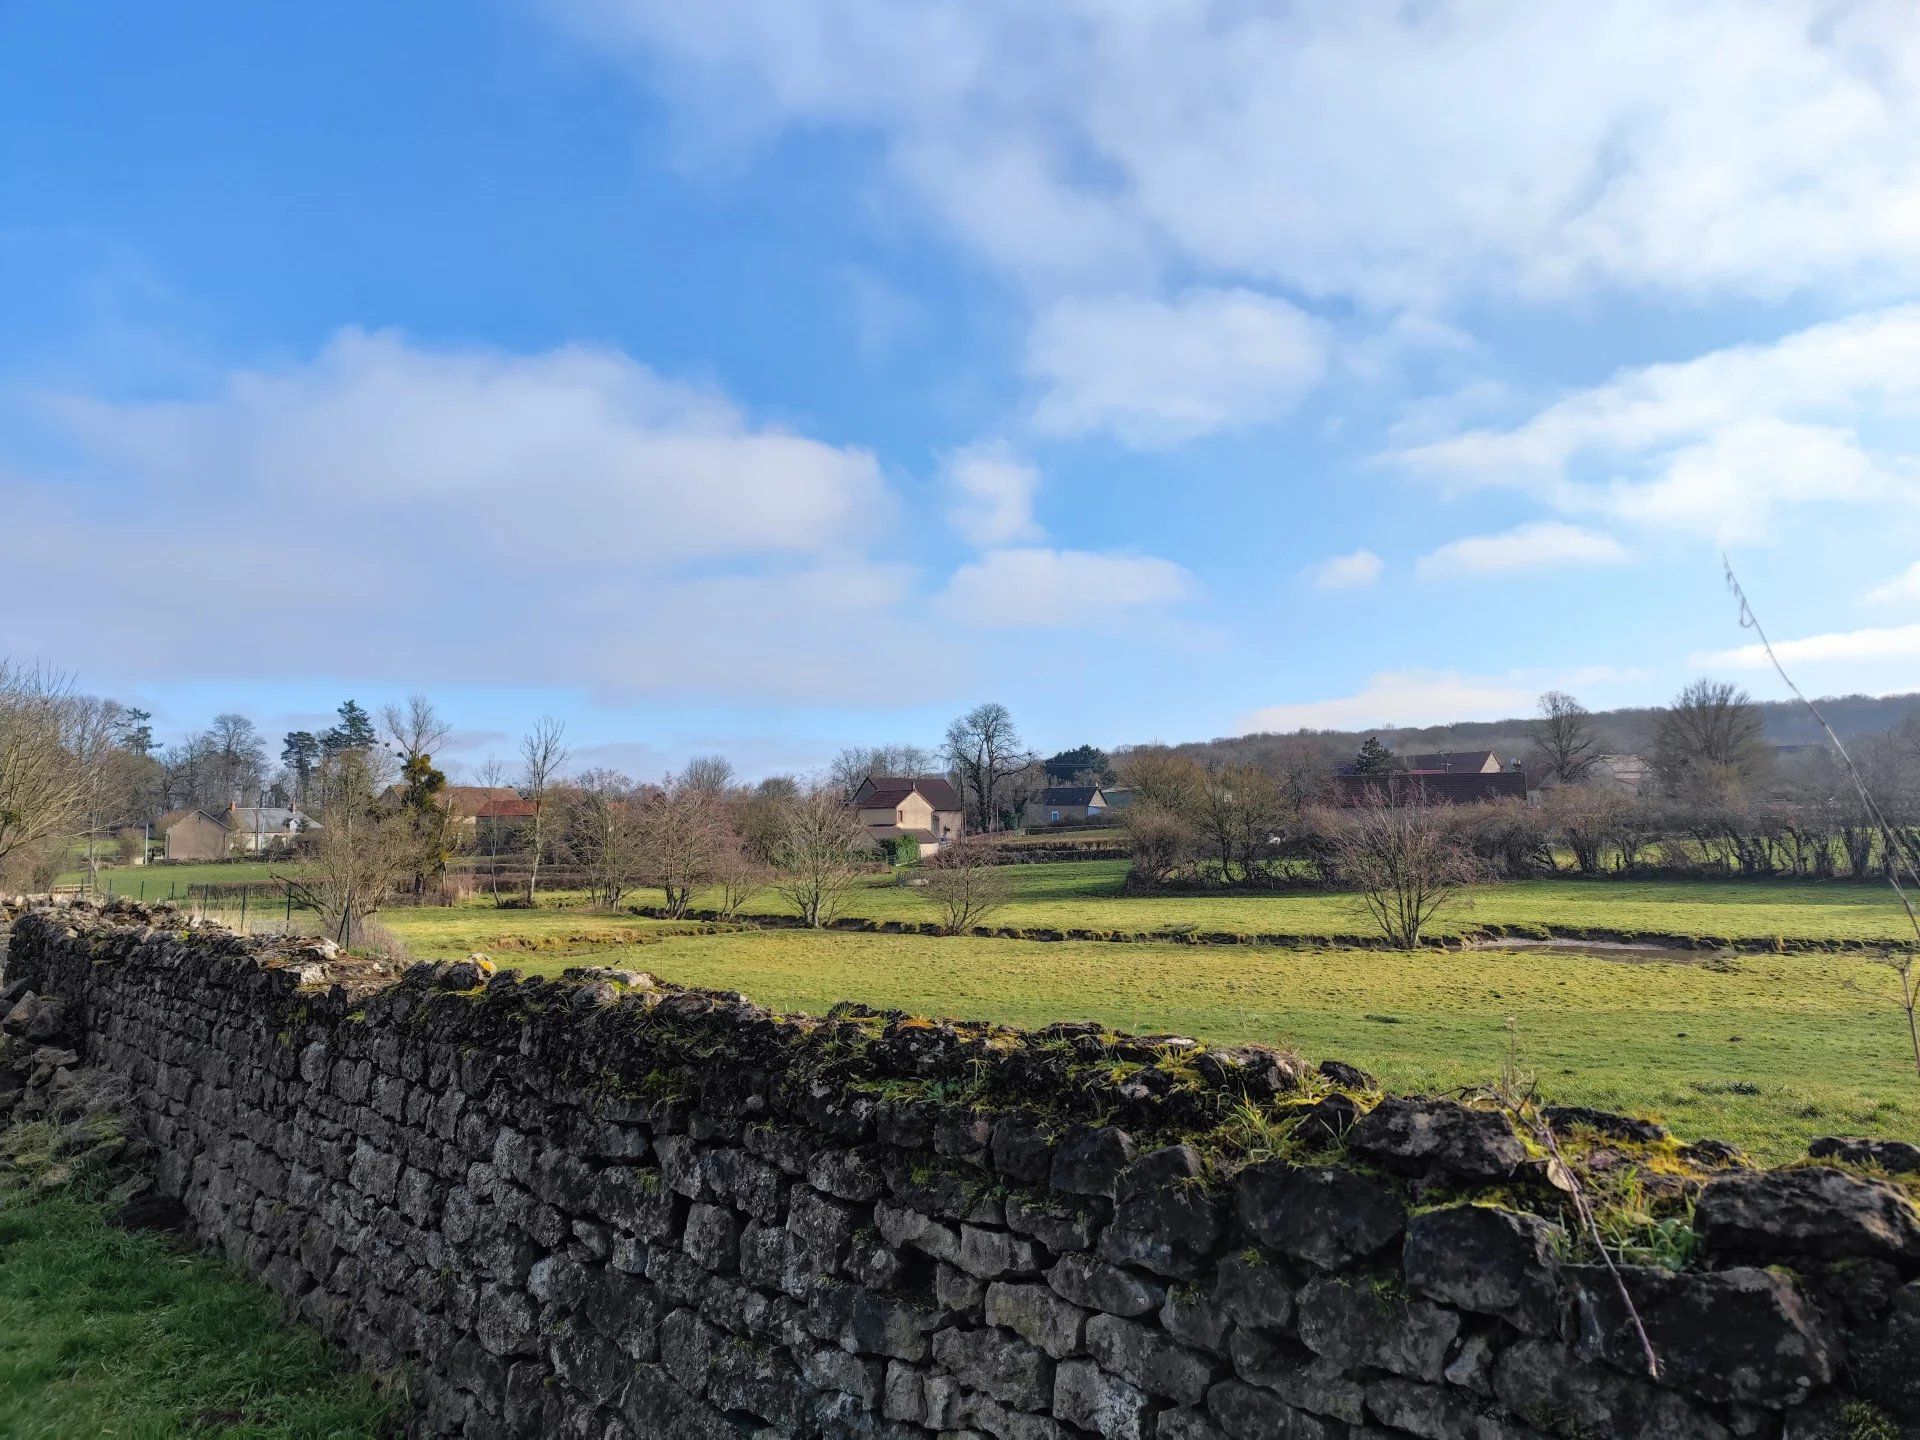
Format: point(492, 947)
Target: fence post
point(244, 891)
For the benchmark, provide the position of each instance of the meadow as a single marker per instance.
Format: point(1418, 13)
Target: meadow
point(1766, 1051)
point(1761, 1048)
point(1089, 894)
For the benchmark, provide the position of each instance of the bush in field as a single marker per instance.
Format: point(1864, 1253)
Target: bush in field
point(1162, 841)
point(819, 854)
point(966, 884)
point(1407, 863)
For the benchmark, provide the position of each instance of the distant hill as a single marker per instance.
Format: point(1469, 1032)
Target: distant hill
point(1627, 731)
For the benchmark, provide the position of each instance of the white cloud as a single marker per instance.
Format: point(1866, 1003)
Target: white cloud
point(1724, 445)
point(1401, 698)
point(578, 455)
point(389, 509)
point(993, 493)
point(1903, 589)
point(1036, 588)
point(1899, 642)
point(1347, 572)
point(1524, 550)
point(1389, 154)
point(1155, 373)
point(1426, 697)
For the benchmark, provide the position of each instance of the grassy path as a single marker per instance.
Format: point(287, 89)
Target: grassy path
point(109, 1333)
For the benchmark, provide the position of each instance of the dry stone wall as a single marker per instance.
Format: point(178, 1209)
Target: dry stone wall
point(603, 1206)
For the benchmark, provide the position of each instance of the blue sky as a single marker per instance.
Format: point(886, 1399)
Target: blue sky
point(772, 376)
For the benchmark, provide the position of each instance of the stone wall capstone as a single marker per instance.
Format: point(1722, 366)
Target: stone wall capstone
point(607, 1206)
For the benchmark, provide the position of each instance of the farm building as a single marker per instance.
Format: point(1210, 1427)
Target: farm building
point(1060, 803)
point(194, 835)
point(246, 829)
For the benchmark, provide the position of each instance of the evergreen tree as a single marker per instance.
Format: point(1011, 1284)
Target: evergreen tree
point(300, 752)
point(354, 732)
point(1373, 759)
point(1081, 764)
point(134, 732)
point(427, 819)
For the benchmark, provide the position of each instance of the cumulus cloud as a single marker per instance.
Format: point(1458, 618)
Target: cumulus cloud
point(1900, 642)
point(575, 452)
point(431, 514)
point(397, 510)
point(1722, 445)
point(1523, 550)
point(1036, 588)
point(993, 492)
point(1158, 372)
point(1347, 572)
point(1387, 154)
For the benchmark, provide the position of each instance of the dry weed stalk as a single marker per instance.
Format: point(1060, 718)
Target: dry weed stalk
point(1516, 1095)
point(1897, 859)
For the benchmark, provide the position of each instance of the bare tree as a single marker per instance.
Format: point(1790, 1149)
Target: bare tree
point(603, 833)
point(1405, 862)
point(1162, 776)
point(759, 817)
point(543, 754)
point(1161, 839)
point(1564, 742)
point(416, 728)
point(363, 847)
point(818, 858)
point(854, 764)
point(710, 774)
point(239, 756)
point(985, 753)
point(737, 875)
point(683, 836)
point(966, 886)
point(1239, 810)
point(492, 776)
point(1711, 735)
point(45, 782)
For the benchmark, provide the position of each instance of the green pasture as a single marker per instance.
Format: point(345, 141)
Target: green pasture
point(152, 882)
point(1088, 894)
point(1766, 1051)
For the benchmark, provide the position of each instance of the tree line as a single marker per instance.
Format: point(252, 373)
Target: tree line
point(1718, 800)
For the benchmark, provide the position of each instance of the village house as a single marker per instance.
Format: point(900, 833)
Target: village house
point(1058, 804)
point(241, 829)
point(487, 807)
point(925, 808)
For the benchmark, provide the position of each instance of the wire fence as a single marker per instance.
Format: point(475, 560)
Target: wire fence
point(267, 907)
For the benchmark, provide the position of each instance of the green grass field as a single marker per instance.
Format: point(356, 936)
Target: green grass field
point(1766, 1051)
point(155, 882)
point(105, 1332)
point(1087, 894)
